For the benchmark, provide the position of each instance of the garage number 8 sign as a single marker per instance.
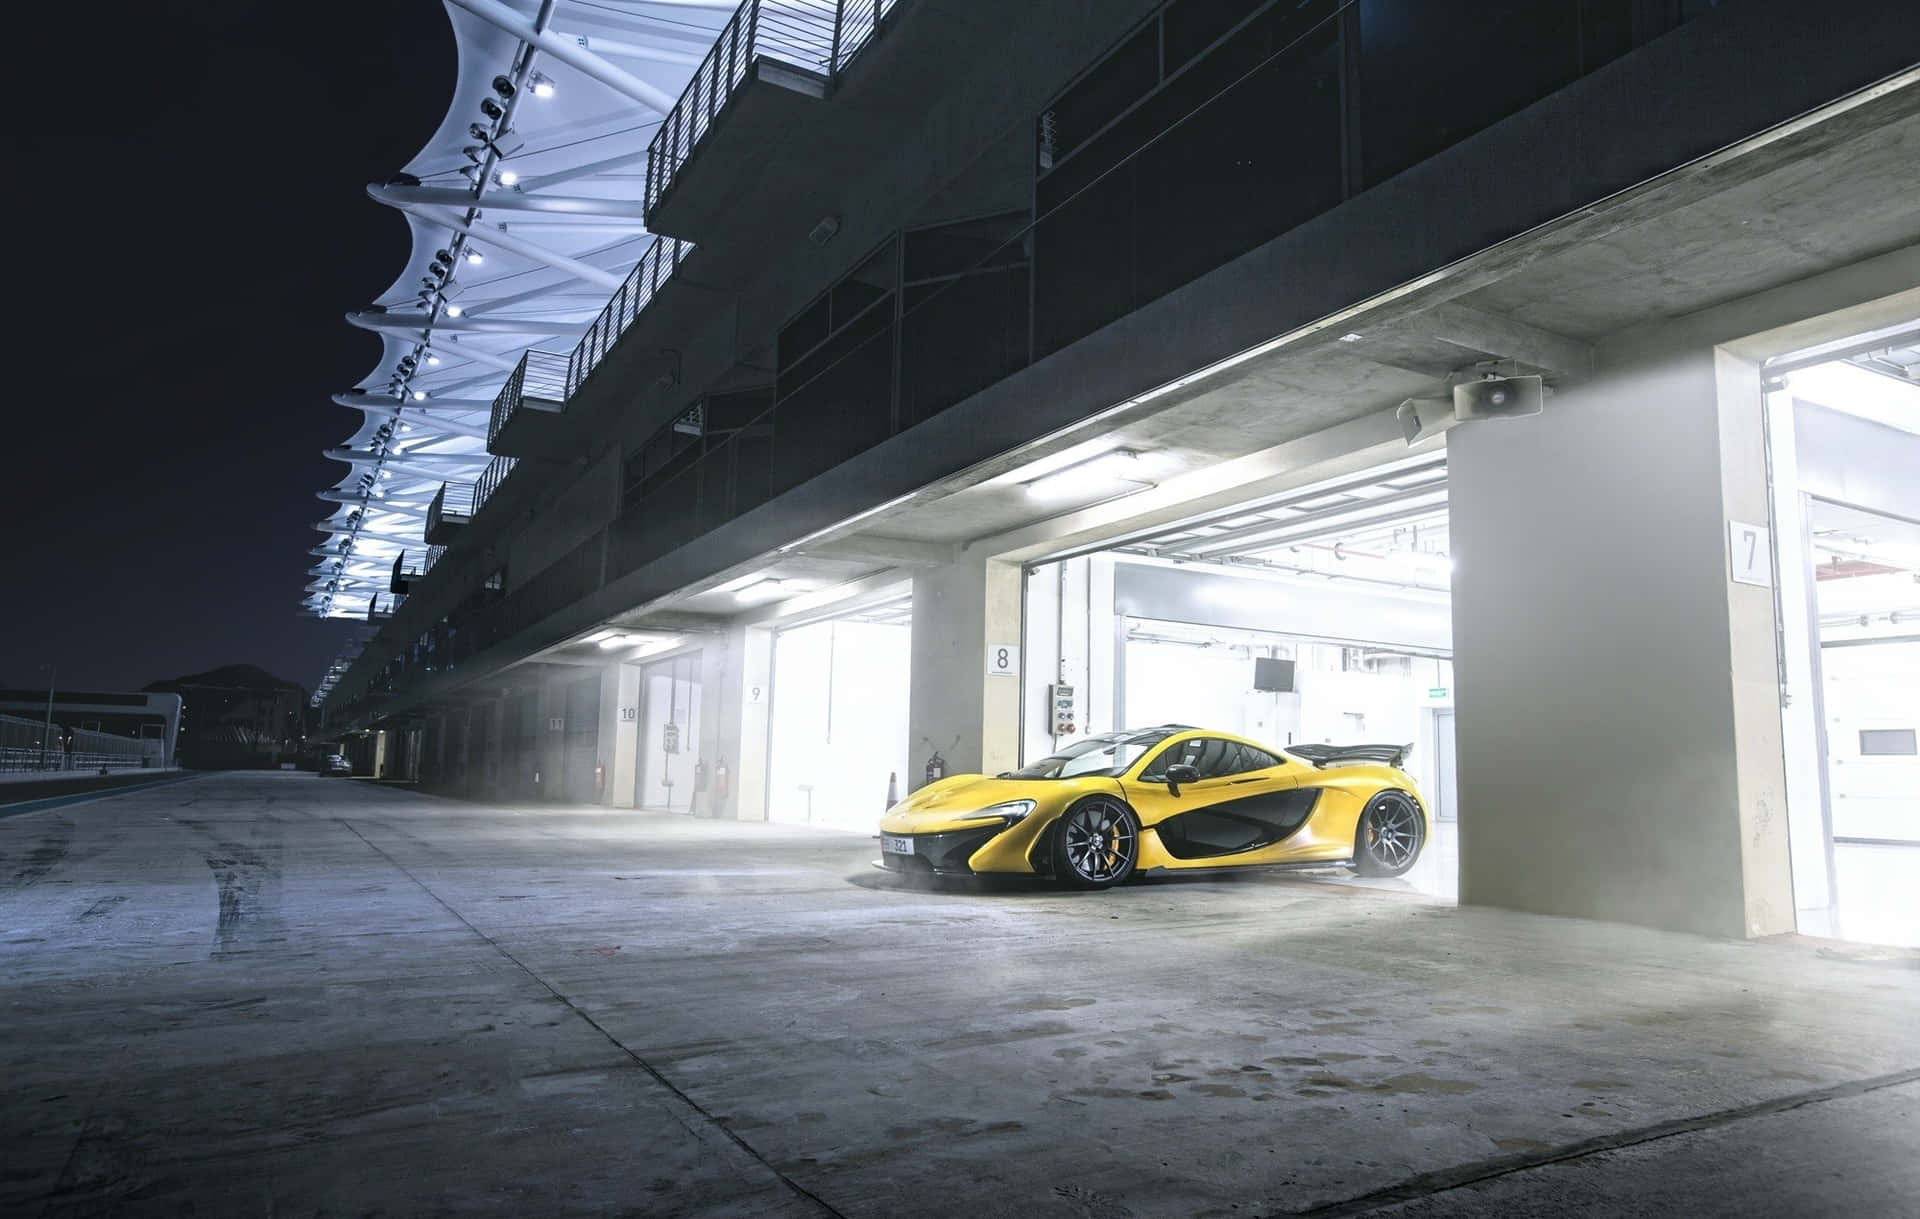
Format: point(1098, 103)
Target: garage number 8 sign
point(1003, 660)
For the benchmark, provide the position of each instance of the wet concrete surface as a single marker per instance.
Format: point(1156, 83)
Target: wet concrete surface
point(274, 994)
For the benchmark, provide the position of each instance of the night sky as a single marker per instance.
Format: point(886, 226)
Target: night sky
point(191, 221)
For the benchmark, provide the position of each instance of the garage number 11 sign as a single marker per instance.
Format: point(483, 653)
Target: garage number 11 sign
point(1749, 554)
point(1003, 660)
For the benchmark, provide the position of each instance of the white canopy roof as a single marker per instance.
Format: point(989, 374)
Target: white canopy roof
point(525, 213)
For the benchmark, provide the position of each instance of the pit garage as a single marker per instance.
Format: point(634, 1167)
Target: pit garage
point(837, 744)
point(1843, 440)
point(1317, 615)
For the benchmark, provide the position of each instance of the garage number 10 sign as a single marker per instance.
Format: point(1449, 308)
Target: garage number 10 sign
point(1003, 660)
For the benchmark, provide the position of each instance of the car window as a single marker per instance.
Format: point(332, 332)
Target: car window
point(1109, 754)
point(1209, 755)
point(1258, 759)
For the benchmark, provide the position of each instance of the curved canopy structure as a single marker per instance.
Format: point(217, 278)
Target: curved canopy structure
point(525, 210)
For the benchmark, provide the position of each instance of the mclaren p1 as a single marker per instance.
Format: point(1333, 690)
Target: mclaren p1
point(1165, 799)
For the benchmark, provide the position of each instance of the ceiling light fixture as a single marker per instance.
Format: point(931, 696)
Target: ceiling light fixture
point(1107, 476)
point(761, 588)
point(453, 310)
point(475, 256)
point(419, 395)
point(541, 84)
point(507, 177)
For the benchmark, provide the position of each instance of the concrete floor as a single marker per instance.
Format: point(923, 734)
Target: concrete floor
point(278, 994)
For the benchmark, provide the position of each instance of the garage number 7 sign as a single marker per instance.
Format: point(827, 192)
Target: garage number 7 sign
point(1749, 554)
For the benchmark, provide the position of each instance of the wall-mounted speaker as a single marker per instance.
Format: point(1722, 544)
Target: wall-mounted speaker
point(1498, 398)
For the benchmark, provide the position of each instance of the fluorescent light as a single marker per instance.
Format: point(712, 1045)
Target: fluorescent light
point(735, 585)
point(653, 647)
point(597, 636)
point(613, 640)
point(1109, 475)
point(759, 590)
point(817, 534)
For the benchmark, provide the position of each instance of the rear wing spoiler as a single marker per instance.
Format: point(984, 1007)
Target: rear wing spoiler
point(1323, 756)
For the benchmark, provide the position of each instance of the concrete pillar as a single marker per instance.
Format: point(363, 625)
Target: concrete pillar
point(1618, 718)
point(957, 707)
point(620, 732)
point(741, 697)
point(550, 751)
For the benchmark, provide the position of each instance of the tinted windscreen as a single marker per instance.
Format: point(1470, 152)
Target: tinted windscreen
point(1109, 754)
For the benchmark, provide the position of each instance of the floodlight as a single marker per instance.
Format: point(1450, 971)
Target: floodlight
point(542, 84)
point(453, 310)
point(419, 395)
point(491, 108)
point(474, 256)
point(507, 177)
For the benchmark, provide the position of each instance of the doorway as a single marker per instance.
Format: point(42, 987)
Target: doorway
point(669, 734)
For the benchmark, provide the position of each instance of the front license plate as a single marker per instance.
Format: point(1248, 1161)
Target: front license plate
point(894, 844)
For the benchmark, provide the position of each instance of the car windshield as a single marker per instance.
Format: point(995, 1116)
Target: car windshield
point(1108, 754)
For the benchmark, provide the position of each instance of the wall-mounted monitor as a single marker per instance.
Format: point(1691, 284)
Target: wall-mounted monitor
point(1273, 673)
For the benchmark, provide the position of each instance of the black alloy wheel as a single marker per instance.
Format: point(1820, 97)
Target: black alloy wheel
point(1096, 844)
point(1390, 836)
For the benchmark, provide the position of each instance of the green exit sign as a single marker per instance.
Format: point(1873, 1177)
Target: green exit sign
point(1437, 692)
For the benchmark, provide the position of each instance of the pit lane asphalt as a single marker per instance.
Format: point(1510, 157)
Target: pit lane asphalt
point(277, 994)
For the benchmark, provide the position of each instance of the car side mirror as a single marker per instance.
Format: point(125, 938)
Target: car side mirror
point(1179, 773)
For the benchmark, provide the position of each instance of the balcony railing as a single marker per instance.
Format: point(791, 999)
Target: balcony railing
point(819, 37)
point(490, 480)
point(451, 510)
point(540, 376)
point(655, 267)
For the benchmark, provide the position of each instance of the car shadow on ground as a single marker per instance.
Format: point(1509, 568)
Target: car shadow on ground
point(1336, 877)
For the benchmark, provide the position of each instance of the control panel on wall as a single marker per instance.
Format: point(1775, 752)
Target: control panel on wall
point(1060, 701)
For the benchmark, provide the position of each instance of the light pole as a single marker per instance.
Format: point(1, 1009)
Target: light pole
point(46, 731)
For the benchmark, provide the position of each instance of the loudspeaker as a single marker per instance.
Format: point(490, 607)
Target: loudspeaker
point(1499, 398)
point(1423, 417)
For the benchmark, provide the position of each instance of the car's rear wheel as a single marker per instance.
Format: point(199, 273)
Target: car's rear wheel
point(1390, 836)
point(1096, 844)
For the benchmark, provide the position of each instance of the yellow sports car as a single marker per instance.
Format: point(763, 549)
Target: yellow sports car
point(1164, 799)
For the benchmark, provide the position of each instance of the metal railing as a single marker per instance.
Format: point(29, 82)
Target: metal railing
point(655, 267)
point(816, 36)
point(490, 480)
point(452, 505)
point(545, 376)
point(27, 745)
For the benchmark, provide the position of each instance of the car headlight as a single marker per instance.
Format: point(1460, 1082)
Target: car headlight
point(1009, 812)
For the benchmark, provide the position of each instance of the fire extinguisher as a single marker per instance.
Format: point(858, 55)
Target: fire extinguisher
point(936, 767)
point(720, 780)
point(700, 775)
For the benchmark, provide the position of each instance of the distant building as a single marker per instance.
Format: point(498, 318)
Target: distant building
point(237, 717)
point(152, 718)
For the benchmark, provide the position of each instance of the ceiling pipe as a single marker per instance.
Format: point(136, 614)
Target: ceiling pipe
point(415, 323)
point(510, 200)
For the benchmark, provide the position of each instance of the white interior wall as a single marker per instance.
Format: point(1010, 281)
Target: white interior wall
point(838, 731)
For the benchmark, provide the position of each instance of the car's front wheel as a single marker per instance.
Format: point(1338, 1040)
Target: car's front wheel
point(1097, 844)
point(1390, 836)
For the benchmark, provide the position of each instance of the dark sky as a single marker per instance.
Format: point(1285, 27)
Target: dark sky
point(189, 224)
